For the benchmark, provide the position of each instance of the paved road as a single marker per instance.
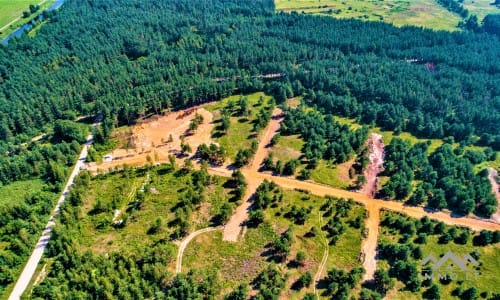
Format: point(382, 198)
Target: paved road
point(36, 255)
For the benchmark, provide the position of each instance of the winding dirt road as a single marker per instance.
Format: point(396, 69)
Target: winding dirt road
point(185, 242)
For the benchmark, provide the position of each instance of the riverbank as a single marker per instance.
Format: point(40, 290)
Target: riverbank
point(19, 25)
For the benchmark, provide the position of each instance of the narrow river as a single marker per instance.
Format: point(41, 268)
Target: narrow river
point(29, 25)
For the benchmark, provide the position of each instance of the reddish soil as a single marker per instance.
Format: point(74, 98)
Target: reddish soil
point(150, 138)
point(492, 174)
point(376, 162)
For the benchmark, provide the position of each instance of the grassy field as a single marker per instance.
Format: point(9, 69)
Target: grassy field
point(10, 10)
point(425, 13)
point(239, 135)
point(19, 190)
point(332, 174)
point(163, 188)
point(288, 148)
point(480, 8)
point(242, 261)
point(489, 260)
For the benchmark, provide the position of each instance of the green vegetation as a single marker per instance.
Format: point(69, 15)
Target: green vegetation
point(333, 175)
point(425, 13)
point(405, 242)
point(151, 56)
point(237, 118)
point(288, 147)
point(446, 177)
point(289, 236)
point(25, 10)
point(127, 221)
point(313, 146)
point(24, 209)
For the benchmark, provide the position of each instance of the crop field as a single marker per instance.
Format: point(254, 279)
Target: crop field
point(11, 10)
point(425, 13)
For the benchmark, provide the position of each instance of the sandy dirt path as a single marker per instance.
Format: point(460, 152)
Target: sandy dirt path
point(185, 242)
point(236, 223)
point(376, 157)
point(474, 223)
point(492, 173)
point(321, 267)
point(369, 245)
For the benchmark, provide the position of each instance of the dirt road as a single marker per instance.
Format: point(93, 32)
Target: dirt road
point(373, 206)
point(185, 242)
point(236, 223)
point(492, 173)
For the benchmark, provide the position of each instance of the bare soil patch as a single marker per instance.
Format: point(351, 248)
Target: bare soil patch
point(150, 138)
point(376, 157)
point(492, 174)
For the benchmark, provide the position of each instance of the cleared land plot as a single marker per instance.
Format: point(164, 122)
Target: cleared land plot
point(115, 197)
point(242, 261)
point(149, 140)
point(425, 13)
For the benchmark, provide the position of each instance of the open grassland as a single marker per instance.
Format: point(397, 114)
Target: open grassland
point(12, 10)
point(425, 13)
point(240, 133)
point(480, 8)
point(242, 261)
point(332, 174)
point(288, 148)
point(18, 191)
point(486, 279)
point(160, 192)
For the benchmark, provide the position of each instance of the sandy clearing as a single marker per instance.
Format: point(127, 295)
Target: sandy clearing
point(376, 157)
point(150, 138)
point(492, 173)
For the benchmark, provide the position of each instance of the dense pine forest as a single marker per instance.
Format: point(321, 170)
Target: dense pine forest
point(126, 59)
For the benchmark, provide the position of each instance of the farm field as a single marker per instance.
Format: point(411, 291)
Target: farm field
point(424, 13)
point(11, 10)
